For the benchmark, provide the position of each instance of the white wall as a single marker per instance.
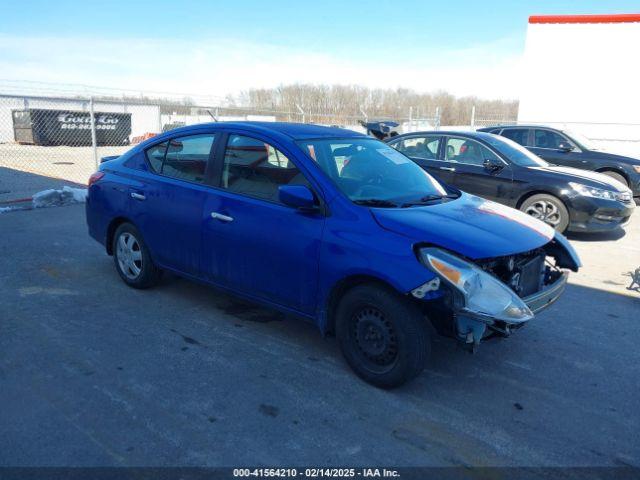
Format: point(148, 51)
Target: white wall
point(577, 74)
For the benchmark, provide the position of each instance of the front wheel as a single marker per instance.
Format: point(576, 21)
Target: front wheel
point(547, 208)
point(132, 259)
point(382, 335)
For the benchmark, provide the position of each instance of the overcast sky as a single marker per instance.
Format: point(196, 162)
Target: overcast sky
point(215, 48)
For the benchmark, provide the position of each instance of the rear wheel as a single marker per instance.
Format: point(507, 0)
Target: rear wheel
point(547, 208)
point(382, 335)
point(616, 176)
point(132, 259)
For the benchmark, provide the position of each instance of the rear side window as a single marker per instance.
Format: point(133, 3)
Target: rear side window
point(155, 155)
point(549, 139)
point(255, 168)
point(518, 135)
point(419, 147)
point(184, 158)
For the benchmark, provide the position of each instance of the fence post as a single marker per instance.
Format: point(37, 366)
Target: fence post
point(473, 116)
point(301, 112)
point(364, 114)
point(94, 142)
point(437, 118)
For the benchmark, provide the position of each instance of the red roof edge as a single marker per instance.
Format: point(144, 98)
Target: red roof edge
point(613, 18)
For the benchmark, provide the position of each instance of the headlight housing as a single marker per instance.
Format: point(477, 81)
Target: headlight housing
point(485, 297)
point(599, 192)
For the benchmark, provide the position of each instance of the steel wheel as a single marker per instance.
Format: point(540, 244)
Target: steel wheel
point(375, 339)
point(129, 255)
point(546, 211)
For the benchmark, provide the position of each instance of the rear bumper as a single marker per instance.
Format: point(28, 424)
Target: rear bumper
point(544, 298)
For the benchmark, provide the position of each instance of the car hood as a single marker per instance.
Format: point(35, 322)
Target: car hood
point(586, 177)
point(469, 226)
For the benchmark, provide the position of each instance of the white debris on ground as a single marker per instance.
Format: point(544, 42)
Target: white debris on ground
point(5, 209)
point(55, 197)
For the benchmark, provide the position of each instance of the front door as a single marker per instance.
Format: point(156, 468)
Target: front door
point(253, 243)
point(477, 169)
point(546, 144)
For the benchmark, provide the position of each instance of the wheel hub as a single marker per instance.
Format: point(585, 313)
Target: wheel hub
point(129, 255)
point(375, 336)
point(545, 211)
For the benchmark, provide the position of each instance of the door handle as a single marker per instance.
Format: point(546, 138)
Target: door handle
point(138, 196)
point(448, 169)
point(219, 216)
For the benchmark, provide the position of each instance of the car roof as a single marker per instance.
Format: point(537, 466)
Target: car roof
point(458, 133)
point(296, 131)
point(518, 126)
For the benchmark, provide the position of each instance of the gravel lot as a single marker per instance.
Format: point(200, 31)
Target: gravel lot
point(93, 373)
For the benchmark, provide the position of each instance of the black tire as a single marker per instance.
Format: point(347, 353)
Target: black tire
point(549, 209)
point(616, 176)
point(136, 270)
point(383, 336)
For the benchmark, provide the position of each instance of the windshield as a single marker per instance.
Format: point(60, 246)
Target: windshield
point(514, 151)
point(371, 172)
point(581, 140)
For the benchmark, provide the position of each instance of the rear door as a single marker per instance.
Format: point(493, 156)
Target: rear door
point(253, 243)
point(166, 201)
point(467, 157)
point(425, 151)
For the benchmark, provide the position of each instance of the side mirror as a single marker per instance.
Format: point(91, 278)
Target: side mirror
point(565, 147)
point(492, 165)
point(297, 196)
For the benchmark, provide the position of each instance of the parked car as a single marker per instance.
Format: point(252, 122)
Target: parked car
point(563, 147)
point(330, 225)
point(498, 169)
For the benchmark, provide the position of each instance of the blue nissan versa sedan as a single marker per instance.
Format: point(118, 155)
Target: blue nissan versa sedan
point(374, 255)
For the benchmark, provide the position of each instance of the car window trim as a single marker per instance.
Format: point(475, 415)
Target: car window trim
point(219, 169)
point(577, 149)
point(420, 135)
point(498, 155)
point(208, 166)
point(530, 135)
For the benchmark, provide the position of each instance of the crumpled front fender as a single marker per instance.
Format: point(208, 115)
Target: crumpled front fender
point(563, 252)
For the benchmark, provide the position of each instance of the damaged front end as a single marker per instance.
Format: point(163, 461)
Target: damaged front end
point(474, 300)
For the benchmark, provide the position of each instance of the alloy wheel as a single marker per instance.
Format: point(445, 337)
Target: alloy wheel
point(546, 211)
point(129, 255)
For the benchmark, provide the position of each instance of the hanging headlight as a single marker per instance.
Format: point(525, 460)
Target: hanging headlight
point(485, 297)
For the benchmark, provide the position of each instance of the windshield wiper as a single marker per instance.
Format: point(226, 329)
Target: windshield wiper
point(376, 202)
point(428, 199)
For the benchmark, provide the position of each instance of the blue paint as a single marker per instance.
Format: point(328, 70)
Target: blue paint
point(286, 257)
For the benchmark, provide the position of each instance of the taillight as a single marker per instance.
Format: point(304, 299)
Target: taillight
point(95, 177)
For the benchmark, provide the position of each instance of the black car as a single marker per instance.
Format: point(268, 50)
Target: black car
point(498, 169)
point(561, 147)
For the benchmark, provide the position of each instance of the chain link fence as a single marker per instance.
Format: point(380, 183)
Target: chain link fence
point(52, 141)
point(49, 141)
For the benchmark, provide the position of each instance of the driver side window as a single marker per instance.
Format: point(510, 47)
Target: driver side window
point(549, 139)
point(470, 152)
point(255, 168)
